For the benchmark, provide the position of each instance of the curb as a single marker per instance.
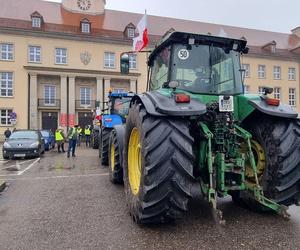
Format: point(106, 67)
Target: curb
point(2, 185)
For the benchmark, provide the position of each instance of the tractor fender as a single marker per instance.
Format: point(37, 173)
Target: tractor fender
point(157, 104)
point(283, 110)
point(120, 133)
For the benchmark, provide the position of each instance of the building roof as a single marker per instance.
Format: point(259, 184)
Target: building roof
point(113, 23)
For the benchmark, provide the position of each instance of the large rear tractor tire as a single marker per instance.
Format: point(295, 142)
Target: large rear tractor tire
point(115, 159)
point(276, 145)
point(158, 166)
point(103, 146)
point(95, 139)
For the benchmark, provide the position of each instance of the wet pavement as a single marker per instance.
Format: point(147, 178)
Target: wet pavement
point(60, 203)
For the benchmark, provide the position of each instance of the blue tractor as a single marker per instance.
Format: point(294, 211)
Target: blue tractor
point(116, 114)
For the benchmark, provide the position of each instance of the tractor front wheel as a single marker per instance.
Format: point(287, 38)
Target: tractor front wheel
point(158, 166)
point(115, 156)
point(103, 145)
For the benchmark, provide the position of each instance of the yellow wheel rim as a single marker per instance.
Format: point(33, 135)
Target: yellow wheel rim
point(134, 161)
point(260, 160)
point(112, 157)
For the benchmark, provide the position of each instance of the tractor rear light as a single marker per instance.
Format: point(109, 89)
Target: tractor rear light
point(108, 119)
point(182, 98)
point(273, 102)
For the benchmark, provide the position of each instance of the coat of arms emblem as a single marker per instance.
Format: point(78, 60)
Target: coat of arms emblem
point(85, 57)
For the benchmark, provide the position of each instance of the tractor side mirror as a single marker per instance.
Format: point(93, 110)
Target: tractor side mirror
point(124, 64)
point(267, 90)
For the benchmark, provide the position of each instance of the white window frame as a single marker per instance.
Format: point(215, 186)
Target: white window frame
point(48, 100)
point(132, 61)
point(5, 82)
point(130, 32)
point(292, 74)
point(60, 56)
point(276, 72)
point(109, 60)
point(85, 27)
point(277, 93)
point(85, 102)
point(246, 89)
point(36, 22)
point(260, 90)
point(246, 67)
point(261, 72)
point(6, 52)
point(292, 97)
point(8, 111)
point(35, 54)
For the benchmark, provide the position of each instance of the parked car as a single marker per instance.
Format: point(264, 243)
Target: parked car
point(49, 139)
point(24, 143)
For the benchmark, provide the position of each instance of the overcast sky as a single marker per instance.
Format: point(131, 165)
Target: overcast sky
point(272, 15)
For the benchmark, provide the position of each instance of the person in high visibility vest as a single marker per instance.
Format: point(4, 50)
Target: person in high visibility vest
point(60, 138)
point(79, 131)
point(72, 136)
point(87, 133)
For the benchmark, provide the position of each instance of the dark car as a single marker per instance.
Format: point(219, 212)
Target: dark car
point(49, 139)
point(24, 143)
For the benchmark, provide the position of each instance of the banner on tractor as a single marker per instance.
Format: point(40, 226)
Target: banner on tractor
point(142, 40)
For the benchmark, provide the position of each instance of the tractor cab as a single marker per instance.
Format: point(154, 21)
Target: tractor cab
point(198, 64)
point(119, 103)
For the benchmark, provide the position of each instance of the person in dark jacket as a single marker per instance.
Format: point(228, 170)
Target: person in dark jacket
point(7, 133)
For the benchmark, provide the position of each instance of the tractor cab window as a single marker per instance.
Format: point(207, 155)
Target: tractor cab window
point(120, 106)
point(206, 69)
point(160, 69)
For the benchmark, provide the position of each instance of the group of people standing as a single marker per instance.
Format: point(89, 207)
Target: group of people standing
point(74, 137)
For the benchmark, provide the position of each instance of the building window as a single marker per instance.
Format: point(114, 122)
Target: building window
point(132, 61)
point(36, 22)
point(6, 87)
point(261, 90)
point(277, 72)
point(109, 60)
point(34, 54)
point(60, 56)
point(277, 93)
point(246, 89)
point(5, 116)
point(246, 67)
point(262, 71)
point(130, 32)
point(292, 97)
point(292, 74)
point(85, 96)
point(50, 94)
point(85, 27)
point(6, 51)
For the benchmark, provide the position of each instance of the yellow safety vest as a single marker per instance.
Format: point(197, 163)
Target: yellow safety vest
point(58, 136)
point(79, 130)
point(87, 131)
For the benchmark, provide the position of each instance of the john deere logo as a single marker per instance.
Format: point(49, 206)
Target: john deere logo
point(85, 57)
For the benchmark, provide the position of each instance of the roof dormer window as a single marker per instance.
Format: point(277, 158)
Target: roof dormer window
point(130, 32)
point(36, 20)
point(85, 26)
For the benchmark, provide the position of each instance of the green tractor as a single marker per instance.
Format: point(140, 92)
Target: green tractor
point(196, 125)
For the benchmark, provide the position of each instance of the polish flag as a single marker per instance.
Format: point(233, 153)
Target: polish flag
point(142, 40)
